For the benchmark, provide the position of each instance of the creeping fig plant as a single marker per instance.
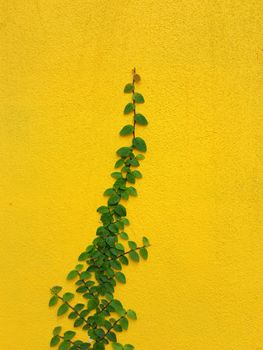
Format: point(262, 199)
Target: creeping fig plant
point(100, 315)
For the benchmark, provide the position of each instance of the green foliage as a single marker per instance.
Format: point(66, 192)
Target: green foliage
point(128, 347)
point(128, 88)
point(54, 340)
point(129, 108)
point(102, 316)
point(139, 144)
point(72, 274)
point(144, 253)
point(53, 300)
point(138, 98)
point(140, 119)
point(62, 309)
point(117, 346)
point(127, 130)
point(120, 277)
point(132, 314)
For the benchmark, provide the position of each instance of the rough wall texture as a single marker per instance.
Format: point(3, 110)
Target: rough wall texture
point(63, 67)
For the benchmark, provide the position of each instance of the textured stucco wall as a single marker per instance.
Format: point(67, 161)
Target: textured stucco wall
point(63, 68)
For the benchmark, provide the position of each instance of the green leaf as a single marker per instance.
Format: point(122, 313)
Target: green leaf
point(109, 191)
point(124, 235)
point(72, 315)
point(103, 209)
point(56, 289)
point(114, 199)
point(53, 300)
point(124, 195)
point(134, 256)
point(131, 178)
point(138, 98)
point(126, 221)
point(116, 175)
point(120, 210)
point(110, 241)
point(93, 303)
point(117, 328)
point(113, 228)
point(79, 267)
point(112, 336)
point(84, 256)
point(144, 253)
point(119, 163)
point(128, 347)
point(128, 88)
point(79, 307)
point(72, 274)
point(69, 335)
point(62, 309)
point(65, 345)
point(132, 245)
point(137, 174)
point(57, 330)
point(124, 260)
point(132, 314)
point(89, 248)
point(68, 296)
point(115, 264)
point(128, 108)
point(55, 340)
point(78, 322)
point(120, 277)
point(124, 152)
point(132, 191)
point(140, 156)
point(119, 246)
point(117, 346)
point(106, 218)
point(134, 162)
point(140, 119)
point(125, 169)
point(145, 241)
point(117, 306)
point(98, 346)
point(124, 323)
point(139, 144)
point(84, 275)
point(127, 130)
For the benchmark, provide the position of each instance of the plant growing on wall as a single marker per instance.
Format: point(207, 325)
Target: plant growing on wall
point(99, 314)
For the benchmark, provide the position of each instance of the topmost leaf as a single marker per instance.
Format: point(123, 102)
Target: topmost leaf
point(128, 88)
point(137, 78)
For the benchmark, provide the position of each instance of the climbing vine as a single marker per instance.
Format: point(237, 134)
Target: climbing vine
point(99, 314)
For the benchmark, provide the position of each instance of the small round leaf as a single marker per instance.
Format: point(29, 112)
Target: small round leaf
point(139, 144)
point(120, 277)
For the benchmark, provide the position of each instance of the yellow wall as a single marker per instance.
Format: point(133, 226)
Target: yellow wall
point(63, 68)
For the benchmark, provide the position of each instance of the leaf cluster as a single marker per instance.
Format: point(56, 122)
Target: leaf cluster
point(100, 266)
